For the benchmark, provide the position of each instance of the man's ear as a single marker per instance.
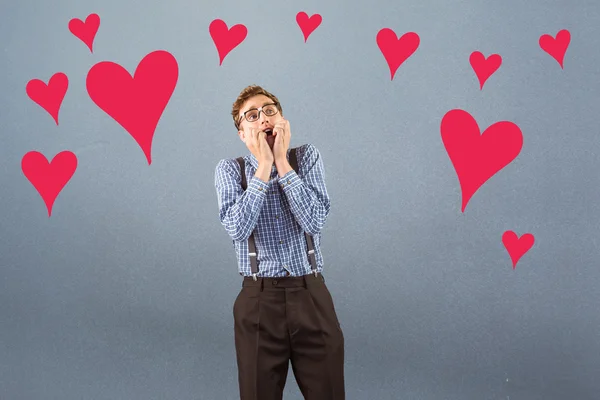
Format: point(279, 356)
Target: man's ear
point(241, 135)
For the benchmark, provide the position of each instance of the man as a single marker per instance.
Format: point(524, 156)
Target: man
point(284, 311)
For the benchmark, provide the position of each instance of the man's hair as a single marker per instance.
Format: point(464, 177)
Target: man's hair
point(250, 91)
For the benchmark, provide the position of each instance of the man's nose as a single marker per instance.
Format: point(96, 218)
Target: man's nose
point(263, 118)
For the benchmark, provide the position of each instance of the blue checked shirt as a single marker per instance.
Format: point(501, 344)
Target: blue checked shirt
point(280, 211)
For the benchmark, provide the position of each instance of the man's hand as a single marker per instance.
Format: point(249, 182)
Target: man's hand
point(281, 145)
point(282, 133)
point(256, 142)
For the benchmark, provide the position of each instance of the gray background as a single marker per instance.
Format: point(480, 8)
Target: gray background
point(126, 292)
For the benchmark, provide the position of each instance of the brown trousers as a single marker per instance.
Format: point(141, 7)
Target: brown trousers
point(278, 320)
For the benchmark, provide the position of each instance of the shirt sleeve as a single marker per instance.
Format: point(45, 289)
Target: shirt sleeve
point(238, 209)
point(307, 197)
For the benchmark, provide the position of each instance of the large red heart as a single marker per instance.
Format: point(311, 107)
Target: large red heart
point(85, 31)
point(137, 102)
point(49, 178)
point(476, 158)
point(49, 97)
point(226, 40)
point(308, 25)
point(484, 68)
point(394, 50)
point(515, 246)
point(556, 47)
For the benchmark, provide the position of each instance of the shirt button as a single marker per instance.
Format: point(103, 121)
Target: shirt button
point(277, 216)
point(288, 182)
point(281, 242)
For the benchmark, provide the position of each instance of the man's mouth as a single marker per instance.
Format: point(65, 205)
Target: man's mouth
point(269, 131)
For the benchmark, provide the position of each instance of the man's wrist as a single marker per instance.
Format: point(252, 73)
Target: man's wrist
point(283, 166)
point(263, 172)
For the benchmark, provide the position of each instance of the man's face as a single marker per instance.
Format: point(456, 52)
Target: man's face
point(263, 123)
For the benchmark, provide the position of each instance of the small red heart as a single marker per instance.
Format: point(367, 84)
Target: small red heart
point(85, 31)
point(308, 25)
point(226, 39)
point(49, 178)
point(516, 247)
point(137, 102)
point(394, 50)
point(476, 158)
point(556, 47)
point(484, 68)
point(49, 97)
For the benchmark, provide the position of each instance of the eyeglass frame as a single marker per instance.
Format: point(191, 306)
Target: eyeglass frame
point(259, 109)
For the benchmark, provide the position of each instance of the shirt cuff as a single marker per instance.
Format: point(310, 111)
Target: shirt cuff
point(289, 181)
point(256, 186)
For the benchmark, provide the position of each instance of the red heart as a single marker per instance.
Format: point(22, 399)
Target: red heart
point(135, 103)
point(226, 40)
point(49, 178)
point(517, 247)
point(85, 31)
point(484, 68)
point(476, 158)
point(308, 25)
point(556, 47)
point(396, 51)
point(50, 96)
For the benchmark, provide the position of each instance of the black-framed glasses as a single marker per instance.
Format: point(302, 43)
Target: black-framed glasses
point(253, 114)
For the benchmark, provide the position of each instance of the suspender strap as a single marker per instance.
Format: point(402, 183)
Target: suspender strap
point(309, 239)
point(242, 163)
point(251, 242)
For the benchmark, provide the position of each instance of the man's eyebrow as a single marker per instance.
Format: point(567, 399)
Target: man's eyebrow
point(265, 103)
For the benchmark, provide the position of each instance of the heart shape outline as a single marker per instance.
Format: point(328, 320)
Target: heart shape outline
point(477, 157)
point(484, 67)
point(49, 178)
point(396, 50)
point(85, 31)
point(308, 25)
point(556, 47)
point(49, 96)
point(225, 39)
point(517, 247)
point(135, 102)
